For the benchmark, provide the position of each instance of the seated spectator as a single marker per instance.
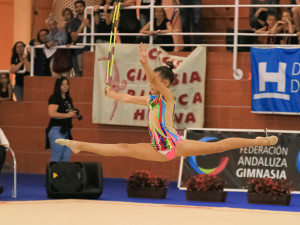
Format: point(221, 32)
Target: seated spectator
point(267, 29)
point(41, 62)
point(19, 60)
point(103, 20)
point(286, 26)
point(145, 13)
point(161, 25)
point(68, 17)
point(128, 22)
point(258, 16)
point(4, 144)
point(6, 89)
point(76, 27)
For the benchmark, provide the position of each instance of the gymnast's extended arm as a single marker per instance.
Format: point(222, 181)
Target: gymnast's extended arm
point(122, 97)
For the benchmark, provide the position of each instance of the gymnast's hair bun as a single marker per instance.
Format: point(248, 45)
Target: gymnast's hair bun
point(169, 65)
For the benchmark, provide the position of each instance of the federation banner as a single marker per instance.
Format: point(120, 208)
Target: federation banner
point(238, 166)
point(275, 80)
point(129, 77)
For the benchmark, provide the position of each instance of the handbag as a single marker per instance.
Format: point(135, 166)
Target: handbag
point(62, 61)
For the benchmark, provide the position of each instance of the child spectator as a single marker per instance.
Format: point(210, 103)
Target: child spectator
point(5, 87)
point(258, 16)
point(286, 26)
point(19, 60)
point(161, 25)
point(267, 29)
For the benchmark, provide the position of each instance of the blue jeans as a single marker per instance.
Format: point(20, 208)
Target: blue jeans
point(190, 21)
point(18, 90)
point(58, 152)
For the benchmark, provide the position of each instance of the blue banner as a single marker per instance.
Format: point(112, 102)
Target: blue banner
point(275, 80)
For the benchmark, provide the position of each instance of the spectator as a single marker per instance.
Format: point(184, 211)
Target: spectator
point(145, 13)
point(286, 26)
point(19, 59)
point(4, 144)
point(190, 21)
point(296, 17)
point(128, 22)
point(161, 25)
point(5, 87)
point(56, 36)
point(103, 20)
point(267, 29)
point(258, 16)
point(68, 17)
point(61, 113)
point(76, 27)
point(41, 62)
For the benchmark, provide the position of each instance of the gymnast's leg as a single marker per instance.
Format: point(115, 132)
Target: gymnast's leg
point(191, 147)
point(141, 151)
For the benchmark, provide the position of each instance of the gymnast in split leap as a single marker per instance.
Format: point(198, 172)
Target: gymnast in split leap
point(166, 143)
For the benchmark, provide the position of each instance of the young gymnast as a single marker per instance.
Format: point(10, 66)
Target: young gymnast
point(166, 143)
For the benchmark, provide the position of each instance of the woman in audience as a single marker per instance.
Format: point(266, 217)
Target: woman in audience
point(5, 87)
point(270, 22)
point(61, 113)
point(161, 25)
point(41, 62)
point(19, 60)
point(286, 26)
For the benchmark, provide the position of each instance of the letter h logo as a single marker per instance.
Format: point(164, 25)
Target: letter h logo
point(279, 78)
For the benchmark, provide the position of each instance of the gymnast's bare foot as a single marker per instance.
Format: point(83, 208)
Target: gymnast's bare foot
point(73, 145)
point(272, 139)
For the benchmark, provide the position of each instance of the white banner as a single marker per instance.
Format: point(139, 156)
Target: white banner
point(129, 77)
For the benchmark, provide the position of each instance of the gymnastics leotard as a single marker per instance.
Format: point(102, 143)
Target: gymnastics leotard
point(164, 137)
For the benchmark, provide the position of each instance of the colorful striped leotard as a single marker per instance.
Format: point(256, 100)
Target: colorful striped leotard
point(164, 137)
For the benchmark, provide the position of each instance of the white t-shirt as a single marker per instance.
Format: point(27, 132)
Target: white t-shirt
point(3, 139)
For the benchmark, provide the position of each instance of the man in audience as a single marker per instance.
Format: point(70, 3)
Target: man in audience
point(190, 21)
point(76, 27)
point(41, 62)
point(56, 36)
point(4, 144)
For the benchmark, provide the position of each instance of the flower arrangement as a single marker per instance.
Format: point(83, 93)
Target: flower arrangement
point(204, 183)
point(270, 186)
point(144, 179)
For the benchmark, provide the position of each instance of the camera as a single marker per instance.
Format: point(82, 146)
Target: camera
point(78, 115)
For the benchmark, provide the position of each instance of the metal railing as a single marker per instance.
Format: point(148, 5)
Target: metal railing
point(237, 73)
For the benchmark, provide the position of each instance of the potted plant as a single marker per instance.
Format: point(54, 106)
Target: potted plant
point(269, 191)
point(206, 188)
point(142, 184)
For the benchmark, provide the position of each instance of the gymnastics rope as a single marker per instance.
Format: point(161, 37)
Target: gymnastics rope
point(111, 48)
